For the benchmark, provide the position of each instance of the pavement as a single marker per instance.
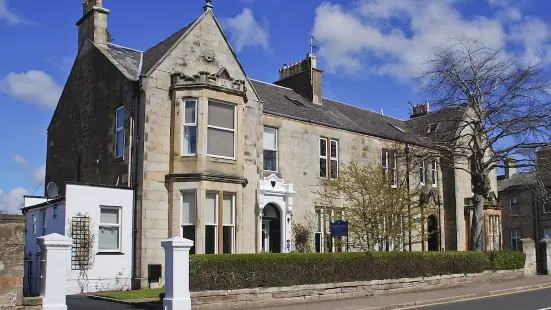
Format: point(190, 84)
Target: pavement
point(521, 294)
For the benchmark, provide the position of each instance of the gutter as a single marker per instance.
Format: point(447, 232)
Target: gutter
point(134, 184)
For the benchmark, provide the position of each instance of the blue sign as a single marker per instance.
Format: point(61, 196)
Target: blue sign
point(339, 229)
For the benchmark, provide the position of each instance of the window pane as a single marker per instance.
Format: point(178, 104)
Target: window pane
point(120, 143)
point(120, 117)
point(334, 169)
point(109, 238)
point(547, 233)
point(210, 208)
point(384, 159)
point(221, 115)
point(228, 240)
point(188, 208)
point(220, 142)
point(270, 160)
point(188, 232)
point(189, 112)
point(334, 153)
point(210, 239)
point(228, 210)
point(323, 167)
point(190, 140)
point(109, 216)
point(323, 147)
point(270, 140)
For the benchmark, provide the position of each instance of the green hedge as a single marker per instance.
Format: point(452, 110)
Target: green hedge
point(228, 272)
point(507, 260)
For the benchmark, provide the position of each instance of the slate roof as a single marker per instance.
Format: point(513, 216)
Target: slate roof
point(154, 54)
point(128, 59)
point(446, 120)
point(277, 101)
point(517, 181)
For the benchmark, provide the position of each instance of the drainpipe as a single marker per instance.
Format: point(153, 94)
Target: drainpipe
point(536, 218)
point(133, 179)
point(408, 189)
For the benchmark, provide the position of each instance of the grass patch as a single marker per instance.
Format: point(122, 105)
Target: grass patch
point(130, 295)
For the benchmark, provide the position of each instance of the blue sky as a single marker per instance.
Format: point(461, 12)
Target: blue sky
point(369, 49)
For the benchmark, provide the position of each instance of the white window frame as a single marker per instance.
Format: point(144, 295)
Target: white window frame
point(216, 221)
point(516, 236)
point(194, 124)
point(385, 162)
point(233, 221)
point(511, 206)
point(422, 173)
point(119, 225)
point(34, 224)
point(336, 158)
point(546, 208)
point(223, 129)
point(273, 150)
point(319, 230)
point(323, 157)
point(182, 223)
point(43, 222)
point(434, 171)
point(117, 130)
point(544, 229)
point(394, 169)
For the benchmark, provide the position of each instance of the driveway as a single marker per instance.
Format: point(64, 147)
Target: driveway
point(92, 304)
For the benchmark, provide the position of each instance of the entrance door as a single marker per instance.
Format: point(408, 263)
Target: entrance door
point(265, 235)
point(271, 229)
point(432, 228)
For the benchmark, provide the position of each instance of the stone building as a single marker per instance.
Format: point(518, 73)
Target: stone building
point(220, 158)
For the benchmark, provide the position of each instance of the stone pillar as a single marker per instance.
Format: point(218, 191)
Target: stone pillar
point(529, 248)
point(177, 296)
point(57, 256)
point(547, 262)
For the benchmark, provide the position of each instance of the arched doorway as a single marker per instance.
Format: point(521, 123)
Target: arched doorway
point(271, 229)
point(432, 229)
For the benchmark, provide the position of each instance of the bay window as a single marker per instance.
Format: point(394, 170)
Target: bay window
point(189, 218)
point(109, 229)
point(211, 223)
point(270, 149)
point(221, 130)
point(228, 222)
point(189, 128)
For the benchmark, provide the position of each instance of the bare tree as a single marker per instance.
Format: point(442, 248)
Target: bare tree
point(504, 111)
point(379, 210)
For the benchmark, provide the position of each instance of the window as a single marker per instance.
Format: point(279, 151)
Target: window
point(221, 130)
point(318, 234)
point(109, 229)
point(189, 120)
point(389, 161)
point(43, 219)
point(119, 134)
point(329, 163)
point(270, 149)
point(323, 157)
point(547, 233)
point(515, 206)
point(494, 235)
point(422, 173)
point(211, 226)
point(228, 220)
point(516, 244)
point(432, 128)
point(34, 225)
point(189, 218)
point(547, 207)
point(434, 173)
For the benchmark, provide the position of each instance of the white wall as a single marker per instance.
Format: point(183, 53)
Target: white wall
point(113, 271)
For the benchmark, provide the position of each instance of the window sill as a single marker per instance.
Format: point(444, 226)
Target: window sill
point(421, 183)
point(109, 253)
point(117, 160)
point(434, 185)
point(225, 160)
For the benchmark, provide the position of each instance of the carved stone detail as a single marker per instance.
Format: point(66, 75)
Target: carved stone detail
point(220, 80)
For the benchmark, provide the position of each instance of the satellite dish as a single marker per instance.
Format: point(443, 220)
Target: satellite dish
point(52, 191)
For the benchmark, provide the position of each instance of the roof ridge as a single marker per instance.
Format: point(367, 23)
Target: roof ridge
point(125, 47)
point(362, 108)
point(271, 84)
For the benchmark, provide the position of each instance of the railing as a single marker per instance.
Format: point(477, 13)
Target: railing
point(32, 277)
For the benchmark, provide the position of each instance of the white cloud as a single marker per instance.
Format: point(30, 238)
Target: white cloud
point(11, 202)
point(37, 175)
point(397, 37)
point(246, 31)
point(34, 87)
point(8, 15)
point(535, 37)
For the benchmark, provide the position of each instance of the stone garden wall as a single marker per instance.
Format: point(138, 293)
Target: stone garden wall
point(12, 242)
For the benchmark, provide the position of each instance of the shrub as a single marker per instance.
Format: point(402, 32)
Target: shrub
point(507, 260)
point(302, 235)
point(228, 272)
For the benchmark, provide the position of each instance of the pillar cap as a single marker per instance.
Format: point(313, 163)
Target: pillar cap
point(54, 241)
point(177, 242)
point(545, 240)
point(527, 240)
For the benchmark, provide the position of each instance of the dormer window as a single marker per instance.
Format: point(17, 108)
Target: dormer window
point(433, 128)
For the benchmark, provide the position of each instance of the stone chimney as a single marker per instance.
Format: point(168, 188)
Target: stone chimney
point(544, 164)
point(93, 24)
point(304, 78)
point(510, 167)
point(420, 109)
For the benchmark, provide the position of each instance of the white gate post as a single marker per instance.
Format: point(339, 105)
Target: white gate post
point(177, 296)
point(530, 265)
point(56, 256)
